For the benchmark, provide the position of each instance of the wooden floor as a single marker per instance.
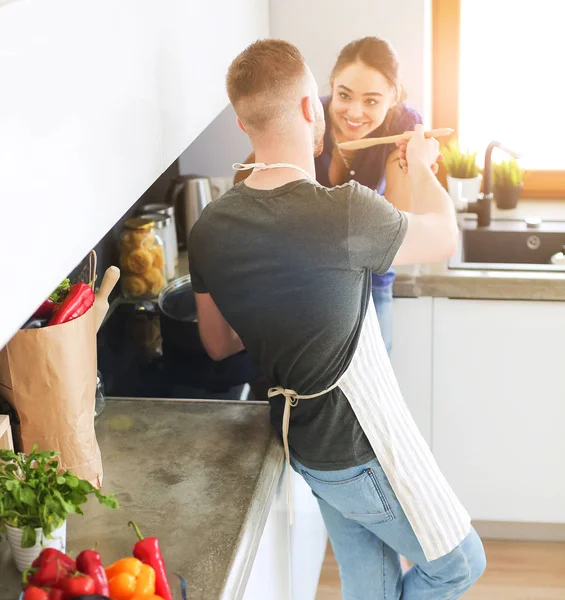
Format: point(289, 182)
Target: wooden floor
point(515, 571)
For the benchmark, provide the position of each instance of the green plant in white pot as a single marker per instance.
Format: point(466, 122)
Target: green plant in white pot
point(507, 179)
point(36, 497)
point(463, 177)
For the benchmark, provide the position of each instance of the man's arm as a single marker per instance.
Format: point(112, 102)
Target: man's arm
point(398, 189)
point(218, 338)
point(432, 233)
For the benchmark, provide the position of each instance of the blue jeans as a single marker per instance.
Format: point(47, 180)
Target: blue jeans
point(382, 297)
point(368, 530)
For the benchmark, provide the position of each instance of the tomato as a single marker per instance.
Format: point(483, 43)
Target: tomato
point(33, 592)
point(79, 585)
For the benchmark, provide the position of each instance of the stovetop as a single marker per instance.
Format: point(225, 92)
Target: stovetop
point(133, 362)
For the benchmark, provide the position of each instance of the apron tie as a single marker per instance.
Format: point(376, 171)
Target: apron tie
point(291, 398)
point(261, 166)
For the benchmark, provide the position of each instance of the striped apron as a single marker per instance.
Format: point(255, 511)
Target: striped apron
point(437, 517)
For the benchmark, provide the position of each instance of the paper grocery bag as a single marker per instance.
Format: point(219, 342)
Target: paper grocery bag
point(49, 376)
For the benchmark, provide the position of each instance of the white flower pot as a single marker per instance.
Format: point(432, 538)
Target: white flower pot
point(23, 557)
point(464, 189)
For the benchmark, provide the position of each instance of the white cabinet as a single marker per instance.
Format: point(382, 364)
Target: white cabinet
point(412, 357)
point(270, 577)
point(289, 558)
point(499, 406)
point(308, 540)
point(98, 99)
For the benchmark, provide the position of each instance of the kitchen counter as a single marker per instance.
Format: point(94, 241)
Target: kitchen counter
point(199, 475)
point(438, 280)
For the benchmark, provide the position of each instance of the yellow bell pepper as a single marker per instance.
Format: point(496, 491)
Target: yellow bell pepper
point(130, 579)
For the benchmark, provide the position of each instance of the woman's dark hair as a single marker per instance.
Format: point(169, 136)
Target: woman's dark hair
point(375, 53)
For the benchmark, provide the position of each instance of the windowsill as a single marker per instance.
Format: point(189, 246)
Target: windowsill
point(548, 208)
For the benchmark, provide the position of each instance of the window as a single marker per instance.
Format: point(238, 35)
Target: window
point(498, 75)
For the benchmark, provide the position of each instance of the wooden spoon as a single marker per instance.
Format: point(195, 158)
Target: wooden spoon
point(391, 139)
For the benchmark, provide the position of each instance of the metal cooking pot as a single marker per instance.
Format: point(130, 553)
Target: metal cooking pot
point(179, 332)
point(177, 313)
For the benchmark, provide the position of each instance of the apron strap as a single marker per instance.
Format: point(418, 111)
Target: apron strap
point(261, 166)
point(291, 398)
point(248, 166)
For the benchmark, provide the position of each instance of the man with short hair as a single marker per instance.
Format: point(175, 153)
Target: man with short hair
point(281, 266)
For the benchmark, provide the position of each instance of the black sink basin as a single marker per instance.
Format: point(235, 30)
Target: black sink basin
point(509, 244)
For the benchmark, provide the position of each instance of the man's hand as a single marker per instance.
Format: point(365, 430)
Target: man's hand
point(432, 232)
point(419, 151)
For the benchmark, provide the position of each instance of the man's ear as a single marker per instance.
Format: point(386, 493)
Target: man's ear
point(240, 125)
point(308, 109)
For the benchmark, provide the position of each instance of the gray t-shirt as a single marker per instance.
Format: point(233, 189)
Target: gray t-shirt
point(290, 270)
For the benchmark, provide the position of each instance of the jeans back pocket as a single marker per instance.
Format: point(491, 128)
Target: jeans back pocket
point(359, 498)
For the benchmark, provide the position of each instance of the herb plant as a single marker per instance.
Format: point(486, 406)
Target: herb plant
point(36, 493)
point(459, 164)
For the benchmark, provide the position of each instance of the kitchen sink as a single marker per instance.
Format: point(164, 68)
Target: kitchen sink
point(509, 244)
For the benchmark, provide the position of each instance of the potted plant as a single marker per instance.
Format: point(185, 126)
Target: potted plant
point(36, 498)
point(507, 179)
point(463, 177)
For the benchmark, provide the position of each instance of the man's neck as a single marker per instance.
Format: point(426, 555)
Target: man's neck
point(296, 154)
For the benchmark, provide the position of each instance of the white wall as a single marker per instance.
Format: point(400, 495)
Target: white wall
point(405, 23)
point(320, 29)
point(216, 149)
point(97, 100)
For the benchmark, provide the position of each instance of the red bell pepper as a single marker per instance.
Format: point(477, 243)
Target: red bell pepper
point(90, 563)
point(148, 551)
point(79, 299)
point(54, 567)
point(45, 310)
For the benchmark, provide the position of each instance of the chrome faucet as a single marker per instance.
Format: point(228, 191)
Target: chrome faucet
point(482, 206)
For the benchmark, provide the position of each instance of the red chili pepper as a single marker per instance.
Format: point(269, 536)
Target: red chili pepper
point(54, 567)
point(35, 593)
point(148, 551)
point(90, 563)
point(79, 299)
point(78, 585)
point(45, 310)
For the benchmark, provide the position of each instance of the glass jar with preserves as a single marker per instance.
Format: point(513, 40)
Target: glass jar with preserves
point(142, 259)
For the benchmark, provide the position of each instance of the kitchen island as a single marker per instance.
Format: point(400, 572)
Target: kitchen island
point(200, 475)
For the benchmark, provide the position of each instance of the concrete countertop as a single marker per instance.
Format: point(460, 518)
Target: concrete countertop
point(441, 282)
point(199, 475)
point(438, 280)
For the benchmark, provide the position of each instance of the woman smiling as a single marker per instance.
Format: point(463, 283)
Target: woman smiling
point(367, 100)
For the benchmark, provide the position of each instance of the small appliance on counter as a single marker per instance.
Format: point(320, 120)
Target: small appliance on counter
point(189, 194)
point(152, 349)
